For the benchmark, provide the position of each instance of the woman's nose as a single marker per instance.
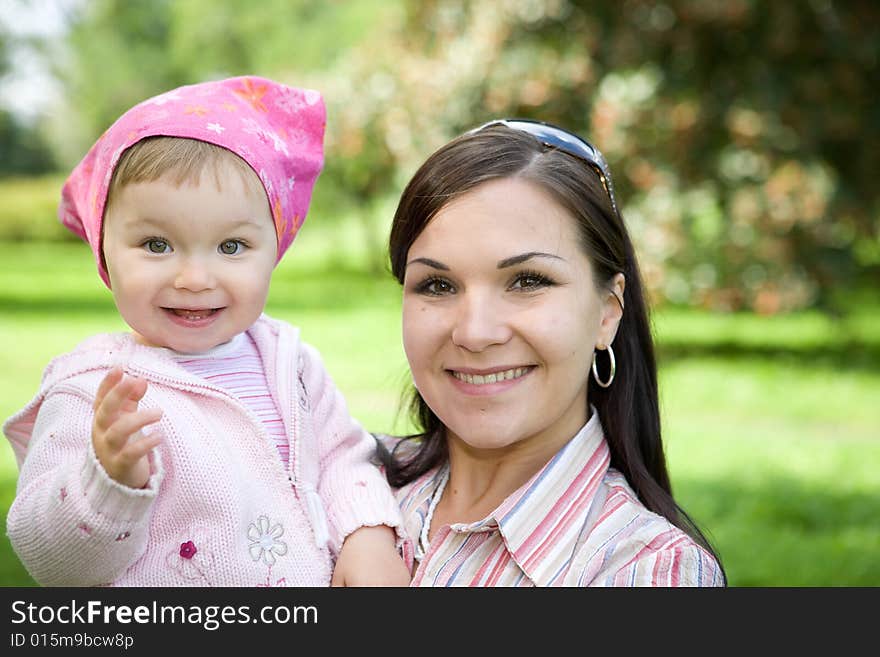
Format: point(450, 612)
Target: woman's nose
point(481, 322)
point(194, 275)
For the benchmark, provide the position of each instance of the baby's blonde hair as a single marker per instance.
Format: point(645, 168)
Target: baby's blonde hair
point(177, 159)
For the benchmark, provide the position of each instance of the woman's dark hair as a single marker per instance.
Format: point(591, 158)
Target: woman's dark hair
point(629, 408)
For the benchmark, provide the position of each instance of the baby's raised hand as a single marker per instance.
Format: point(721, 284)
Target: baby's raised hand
point(116, 430)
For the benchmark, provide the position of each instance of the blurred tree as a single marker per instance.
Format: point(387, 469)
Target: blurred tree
point(743, 134)
point(4, 61)
point(113, 57)
point(117, 53)
point(23, 150)
point(764, 125)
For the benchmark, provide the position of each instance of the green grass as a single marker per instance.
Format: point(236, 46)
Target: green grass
point(779, 462)
point(771, 425)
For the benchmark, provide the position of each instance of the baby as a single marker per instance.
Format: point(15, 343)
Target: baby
point(208, 446)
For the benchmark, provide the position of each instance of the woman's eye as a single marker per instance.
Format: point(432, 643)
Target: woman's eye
point(157, 246)
point(529, 281)
point(231, 247)
point(435, 287)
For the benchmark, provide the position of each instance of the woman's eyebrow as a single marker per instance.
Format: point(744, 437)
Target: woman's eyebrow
point(518, 259)
point(429, 262)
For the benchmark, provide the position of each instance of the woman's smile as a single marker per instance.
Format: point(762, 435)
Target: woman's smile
point(491, 381)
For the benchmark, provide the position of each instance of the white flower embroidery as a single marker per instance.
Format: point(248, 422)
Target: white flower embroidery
point(265, 543)
point(215, 127)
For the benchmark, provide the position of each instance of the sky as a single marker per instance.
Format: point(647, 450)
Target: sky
point(28, 90)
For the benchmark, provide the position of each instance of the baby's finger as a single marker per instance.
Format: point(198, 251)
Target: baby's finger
point(111, 379)
point(118, 434)
point(115, 401)
point(137, 388)
point(136, 449)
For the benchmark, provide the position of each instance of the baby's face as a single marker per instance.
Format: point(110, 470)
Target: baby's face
point(190, 265)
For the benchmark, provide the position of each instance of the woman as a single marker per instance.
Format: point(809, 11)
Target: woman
point(539, 460)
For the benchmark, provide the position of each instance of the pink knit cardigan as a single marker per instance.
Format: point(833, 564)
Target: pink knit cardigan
point(219, 509)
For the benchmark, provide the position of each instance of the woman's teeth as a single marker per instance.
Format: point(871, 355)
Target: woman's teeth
point(495, 377)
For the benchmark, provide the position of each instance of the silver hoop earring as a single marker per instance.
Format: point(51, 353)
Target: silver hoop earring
point(607, 383)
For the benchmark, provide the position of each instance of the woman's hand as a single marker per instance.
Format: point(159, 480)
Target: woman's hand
point(369, 557)
point(116, 429)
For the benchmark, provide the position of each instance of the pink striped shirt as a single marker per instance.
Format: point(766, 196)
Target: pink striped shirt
point(576, 522)
point(237, 368)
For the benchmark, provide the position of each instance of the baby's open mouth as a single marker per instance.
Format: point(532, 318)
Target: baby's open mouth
point(191, 314)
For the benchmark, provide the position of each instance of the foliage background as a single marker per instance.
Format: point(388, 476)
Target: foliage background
point(743, 136)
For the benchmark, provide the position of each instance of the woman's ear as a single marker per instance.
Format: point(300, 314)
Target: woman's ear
point(612, 309)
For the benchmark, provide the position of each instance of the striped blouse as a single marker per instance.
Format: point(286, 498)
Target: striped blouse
point(576, 522)
point(236, 367)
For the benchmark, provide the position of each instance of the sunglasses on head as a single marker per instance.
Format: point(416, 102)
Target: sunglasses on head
point(555, 137)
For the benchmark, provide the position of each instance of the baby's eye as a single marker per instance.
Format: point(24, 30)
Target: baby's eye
point(231, 247)
point(157, 246)
point(435, 287)
point(528, 281)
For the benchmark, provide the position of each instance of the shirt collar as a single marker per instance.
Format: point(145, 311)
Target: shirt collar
point(231, 348)
point(545, 516)
point(541, 518)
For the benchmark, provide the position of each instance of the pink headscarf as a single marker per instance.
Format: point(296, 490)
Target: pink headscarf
point(278, 130)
